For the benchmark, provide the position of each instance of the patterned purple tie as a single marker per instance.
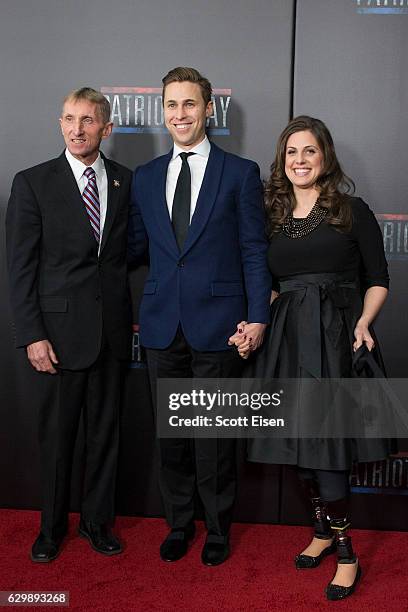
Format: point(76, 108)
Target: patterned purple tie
point(90, 196)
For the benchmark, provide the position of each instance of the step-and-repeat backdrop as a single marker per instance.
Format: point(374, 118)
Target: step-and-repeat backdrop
point(340, 60)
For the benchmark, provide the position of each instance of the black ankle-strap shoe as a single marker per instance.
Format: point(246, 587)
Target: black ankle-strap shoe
point(309, 562)
point(335, 592)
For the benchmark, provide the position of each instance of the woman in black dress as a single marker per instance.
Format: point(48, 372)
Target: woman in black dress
point(325, 252)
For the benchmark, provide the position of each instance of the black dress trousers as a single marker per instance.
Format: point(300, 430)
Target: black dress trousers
point(95, 392)
point(190, 464)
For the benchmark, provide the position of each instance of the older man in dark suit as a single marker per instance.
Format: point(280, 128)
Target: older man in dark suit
point(66, 244)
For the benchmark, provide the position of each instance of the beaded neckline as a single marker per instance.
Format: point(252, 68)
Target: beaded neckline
point(297, 228)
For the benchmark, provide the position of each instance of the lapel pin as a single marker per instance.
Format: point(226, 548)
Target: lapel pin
point(116, 183)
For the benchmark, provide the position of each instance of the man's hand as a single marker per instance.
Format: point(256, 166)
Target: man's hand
point(42, 356)
point(255, 334)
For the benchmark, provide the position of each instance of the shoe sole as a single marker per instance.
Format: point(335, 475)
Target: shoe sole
point(34, 560)
point(173, 560)
point(215, 564)
point(83, 534)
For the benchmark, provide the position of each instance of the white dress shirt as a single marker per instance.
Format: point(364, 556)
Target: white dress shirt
point(78, 169)
point(197, 163)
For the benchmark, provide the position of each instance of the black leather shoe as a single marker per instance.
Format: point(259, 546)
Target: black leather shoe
point(175, 546)
point(216, 550)
point(309, 562)
point(45, 550)
point(335, 592)
point(100, 538)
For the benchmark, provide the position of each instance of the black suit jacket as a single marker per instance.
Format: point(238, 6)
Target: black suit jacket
point(60, 289)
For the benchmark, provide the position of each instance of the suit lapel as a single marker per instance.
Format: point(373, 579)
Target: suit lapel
point(207, 196)
point(68, 188)
point(114, 189)
point(159, 201)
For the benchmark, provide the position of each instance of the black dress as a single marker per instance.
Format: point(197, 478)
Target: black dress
point(321, 279)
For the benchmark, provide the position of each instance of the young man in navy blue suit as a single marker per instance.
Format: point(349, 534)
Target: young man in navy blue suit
point(200, 210)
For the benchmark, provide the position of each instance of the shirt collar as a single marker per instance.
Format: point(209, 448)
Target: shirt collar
point(78, 168)
point(203, 149)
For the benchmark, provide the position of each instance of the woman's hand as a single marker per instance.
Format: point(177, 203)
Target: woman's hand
point(241, 341)
point(373, 300)
point(362, 336)
point(248, 337)
point(245, 347)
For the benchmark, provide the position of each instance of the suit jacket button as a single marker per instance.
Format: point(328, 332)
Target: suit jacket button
point(98, 297)
point(181, 264)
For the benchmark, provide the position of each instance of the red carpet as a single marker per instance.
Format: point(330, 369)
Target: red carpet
point(259, 576)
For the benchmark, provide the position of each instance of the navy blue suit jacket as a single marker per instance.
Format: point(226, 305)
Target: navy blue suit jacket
point(220, 277)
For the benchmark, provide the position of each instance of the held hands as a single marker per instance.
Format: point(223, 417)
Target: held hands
point(42, 356)
point(248, 337)
point(362, 336)
point(240, 340)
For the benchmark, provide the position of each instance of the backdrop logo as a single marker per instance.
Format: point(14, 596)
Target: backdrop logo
point(395, 234)
point(139, 110)
point(382, 7)
point(387, 477)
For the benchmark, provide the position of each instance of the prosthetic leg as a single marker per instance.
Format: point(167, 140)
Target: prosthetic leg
point(321, 525)
point(339, 523)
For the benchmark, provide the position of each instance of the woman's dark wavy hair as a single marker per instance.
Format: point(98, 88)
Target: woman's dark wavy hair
point(332, 183)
